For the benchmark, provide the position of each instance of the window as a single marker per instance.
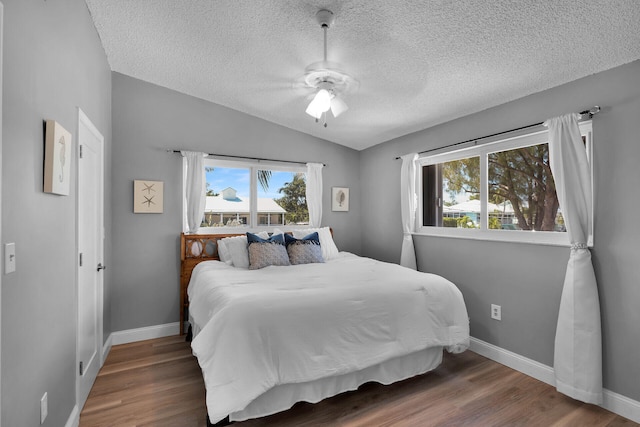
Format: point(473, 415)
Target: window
point(242, 195)
point(502, 190)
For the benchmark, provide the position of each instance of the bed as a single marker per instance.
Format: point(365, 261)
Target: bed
point(270, 337)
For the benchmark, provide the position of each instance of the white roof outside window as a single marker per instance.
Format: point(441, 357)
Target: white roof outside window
point(229, 202)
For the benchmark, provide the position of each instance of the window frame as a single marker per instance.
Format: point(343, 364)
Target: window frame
point(532, 137)
point(253, 167)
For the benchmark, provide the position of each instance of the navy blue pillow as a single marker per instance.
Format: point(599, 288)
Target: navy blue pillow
point(304, 251)
point(266, 252)
point(276, 238)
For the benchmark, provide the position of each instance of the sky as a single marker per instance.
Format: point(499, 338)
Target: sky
point(239, 179)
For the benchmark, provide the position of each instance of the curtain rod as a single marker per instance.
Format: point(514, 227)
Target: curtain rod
point(591, 112)
point(249, 158)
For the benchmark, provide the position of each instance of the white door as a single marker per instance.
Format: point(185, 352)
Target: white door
point(90, 253)
point(1, 33)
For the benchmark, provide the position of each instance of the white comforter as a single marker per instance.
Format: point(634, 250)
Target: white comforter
point(279, 325)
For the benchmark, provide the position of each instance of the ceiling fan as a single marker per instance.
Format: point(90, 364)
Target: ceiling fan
point(327, 79)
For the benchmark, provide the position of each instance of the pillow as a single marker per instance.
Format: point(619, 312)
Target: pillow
point(304, 251)
point(329, 248)
point(236, 249)
point(266, 252)
point(223, 252)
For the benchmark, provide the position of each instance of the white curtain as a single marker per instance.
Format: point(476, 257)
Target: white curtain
point(314, 193)
point(578, 345)
point(195, 188)
point(408, 203)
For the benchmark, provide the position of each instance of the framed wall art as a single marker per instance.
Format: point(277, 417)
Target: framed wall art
point(340, 199)
point(148, 196)
point(57, 159)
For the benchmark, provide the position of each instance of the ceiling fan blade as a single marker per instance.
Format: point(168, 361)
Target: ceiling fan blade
point(338, 106)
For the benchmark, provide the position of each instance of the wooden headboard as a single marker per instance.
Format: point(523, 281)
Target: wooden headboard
point(195, 248)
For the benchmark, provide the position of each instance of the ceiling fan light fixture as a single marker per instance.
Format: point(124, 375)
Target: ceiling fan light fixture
point(338, 106)
point(320, 104)
point(323, 100)
point(313, 111)
point(327, 78)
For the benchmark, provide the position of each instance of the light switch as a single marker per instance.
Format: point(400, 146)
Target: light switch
point(9, 258)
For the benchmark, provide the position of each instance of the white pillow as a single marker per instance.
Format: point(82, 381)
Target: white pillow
point(236, 248)
point(223, 252)
point(329, 248)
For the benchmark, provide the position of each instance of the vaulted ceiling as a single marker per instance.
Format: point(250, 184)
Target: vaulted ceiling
point(418, 63)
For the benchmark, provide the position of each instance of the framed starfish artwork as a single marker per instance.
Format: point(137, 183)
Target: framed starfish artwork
point(147, 196)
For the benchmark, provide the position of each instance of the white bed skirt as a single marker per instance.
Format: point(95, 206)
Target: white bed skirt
point(282, 397)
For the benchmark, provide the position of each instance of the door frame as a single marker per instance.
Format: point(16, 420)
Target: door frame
point(2, 262)
point(85, 122)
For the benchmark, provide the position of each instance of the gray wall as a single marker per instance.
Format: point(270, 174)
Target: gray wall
point(148, 120)
point(53, 63)
point(527, 279)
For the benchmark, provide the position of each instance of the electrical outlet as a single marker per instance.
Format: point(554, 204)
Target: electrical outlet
point(44, 408)
point(496, 312)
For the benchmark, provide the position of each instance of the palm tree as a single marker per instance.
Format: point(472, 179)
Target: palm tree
point(264, 177)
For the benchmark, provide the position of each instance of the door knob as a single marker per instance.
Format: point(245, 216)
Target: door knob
point(101, 267)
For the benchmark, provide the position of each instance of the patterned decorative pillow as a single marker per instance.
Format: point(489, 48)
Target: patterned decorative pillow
point(304, 251)
point(233, 250)
point(266, 252)
point(329, 248)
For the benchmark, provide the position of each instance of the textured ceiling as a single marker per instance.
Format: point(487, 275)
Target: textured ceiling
point(418, 63)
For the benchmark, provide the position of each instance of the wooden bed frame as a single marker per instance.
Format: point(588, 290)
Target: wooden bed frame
point(195, 248)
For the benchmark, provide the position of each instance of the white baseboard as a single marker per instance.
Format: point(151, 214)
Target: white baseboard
point(146, 333)
point(614, 402)
point(106, 348)
point(621, 405)
point(522, 364)
point(74, 418)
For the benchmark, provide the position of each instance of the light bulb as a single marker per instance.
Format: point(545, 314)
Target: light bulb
point(313, 110)
point(320, 104)
point(338, 106)
point(323, 99)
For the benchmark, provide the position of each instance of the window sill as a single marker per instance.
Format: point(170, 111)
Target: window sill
point(508, 236)
point(243, 230)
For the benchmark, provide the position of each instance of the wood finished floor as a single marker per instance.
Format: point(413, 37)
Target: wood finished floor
point(158, 383)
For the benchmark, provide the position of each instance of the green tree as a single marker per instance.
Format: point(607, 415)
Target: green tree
point(263, 178)
point(462, 176)
point(522, 176)
point(494, 223)
point(465, 222)
point(450, 222)
point(294, 200)
point(209, 191)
